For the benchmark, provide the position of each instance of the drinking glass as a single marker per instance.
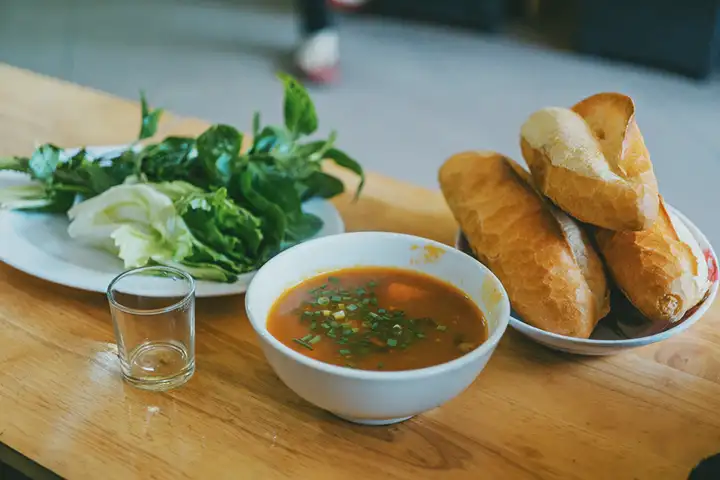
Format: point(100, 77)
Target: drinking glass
point(153, 312)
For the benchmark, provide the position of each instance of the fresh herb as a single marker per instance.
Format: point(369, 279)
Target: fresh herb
point(230, 208)
point(303, 343)
point(357, 324)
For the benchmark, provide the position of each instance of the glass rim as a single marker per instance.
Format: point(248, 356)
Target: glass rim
point(152, 311)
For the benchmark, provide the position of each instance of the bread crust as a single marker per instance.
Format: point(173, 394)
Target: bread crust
point(662, 271)
point(592, 162)
point(553, 276)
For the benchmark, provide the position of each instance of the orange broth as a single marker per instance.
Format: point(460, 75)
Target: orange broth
point(376, 318)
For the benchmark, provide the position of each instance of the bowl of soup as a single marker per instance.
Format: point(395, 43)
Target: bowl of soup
point(376, 327)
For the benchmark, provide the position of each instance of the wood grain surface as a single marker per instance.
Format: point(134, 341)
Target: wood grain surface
point(651, 413)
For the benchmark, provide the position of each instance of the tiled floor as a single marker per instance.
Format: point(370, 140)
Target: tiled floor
point(410, 96)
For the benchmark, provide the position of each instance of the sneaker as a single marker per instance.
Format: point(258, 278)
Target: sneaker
point(318, 58)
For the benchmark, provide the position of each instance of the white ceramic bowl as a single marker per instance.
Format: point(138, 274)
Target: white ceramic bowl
point(608, 341)
point(371, 397)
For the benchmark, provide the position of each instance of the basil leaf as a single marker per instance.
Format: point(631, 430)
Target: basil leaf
point(315, 151)
point(44, 161)
point(256, 125)
point(300, 115)
point(274, 221)
point(303, 226)
point(217, 148)
point(172, 159)
point(17, 164)
point(343, 159)
point(321, 185)
point(273, 139)
point(149, 120)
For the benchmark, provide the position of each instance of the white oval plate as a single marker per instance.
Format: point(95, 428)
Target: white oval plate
point(606, 340)
point(38, 244)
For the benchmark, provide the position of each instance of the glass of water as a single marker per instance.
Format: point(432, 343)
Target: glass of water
point(153, 312)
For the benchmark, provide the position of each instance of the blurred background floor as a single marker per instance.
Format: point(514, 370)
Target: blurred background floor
point(410, 94)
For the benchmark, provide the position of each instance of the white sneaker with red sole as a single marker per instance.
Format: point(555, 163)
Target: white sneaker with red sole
point(318, 58)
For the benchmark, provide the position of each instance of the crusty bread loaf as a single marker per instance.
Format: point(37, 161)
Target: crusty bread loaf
point(592, 162)
point(554, 278)
point(662, 270)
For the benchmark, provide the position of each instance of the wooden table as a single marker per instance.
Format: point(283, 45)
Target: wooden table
point(652, 413)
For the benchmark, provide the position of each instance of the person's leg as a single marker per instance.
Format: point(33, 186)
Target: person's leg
point(319, 54)
point(314, 16)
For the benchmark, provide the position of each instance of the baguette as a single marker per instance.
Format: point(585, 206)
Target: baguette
point(554, 278)
point(591, 161)
point(662, 271)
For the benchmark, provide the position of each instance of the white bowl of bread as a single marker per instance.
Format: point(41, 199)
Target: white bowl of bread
point(583, 230)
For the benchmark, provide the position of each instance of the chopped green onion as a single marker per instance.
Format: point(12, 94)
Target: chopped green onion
point(391, 342)
point(442, 328)
point(339, 315)
point(313, 325)
point(341, 306)
point(333, 280)
point(372, 284)
point(307, 337)
point(323, 301)
point(355, 329)
point(334, 324)
point(352, 307)
point(303, 343)
point(420, 335)
point(325, 325)
point(345, 352)
point(315, 339)
point(347, 331)
point(336, 298)
point(307, 312)
point(331, 333)
point(361, 291)
point(381, 310)
point(373, 301)
point(366, 301)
